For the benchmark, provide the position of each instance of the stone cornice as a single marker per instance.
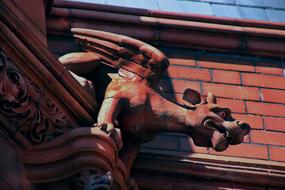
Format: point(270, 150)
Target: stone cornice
point(199, 32)
point(170, 15)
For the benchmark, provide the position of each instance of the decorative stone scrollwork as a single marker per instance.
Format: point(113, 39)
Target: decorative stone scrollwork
point(32, 117)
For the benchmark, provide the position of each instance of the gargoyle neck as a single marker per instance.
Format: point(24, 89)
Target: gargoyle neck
point(172, 117)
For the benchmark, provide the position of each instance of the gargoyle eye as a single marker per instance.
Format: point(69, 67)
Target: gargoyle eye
point(13, 76)
point(1, 64)
point(222, 114)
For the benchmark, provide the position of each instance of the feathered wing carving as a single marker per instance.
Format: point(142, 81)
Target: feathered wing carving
point(123, 52)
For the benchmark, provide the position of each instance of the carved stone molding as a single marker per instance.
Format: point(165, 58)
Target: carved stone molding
point(33, 118)
point(87, 156)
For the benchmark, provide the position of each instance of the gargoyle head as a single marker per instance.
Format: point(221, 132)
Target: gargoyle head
point(12, 84)
point(211, 124)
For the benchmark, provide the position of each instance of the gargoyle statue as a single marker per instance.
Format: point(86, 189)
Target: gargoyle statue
point(133, 101)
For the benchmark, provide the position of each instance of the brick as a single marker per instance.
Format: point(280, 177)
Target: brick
point(226, 66)
point(270, 95)
point(187, 145)
point(189, 73)
point(244, 150)
point(262, 80)
point(178, 86)
point(163, 141)
point(236, 106)
point(269, 70)
point(267, 137)
point(275, 124)
point(277, 154)
point(254, 121)
point(229, 77)
point(185, 62)
point(265, 109)
point(246, 139)
point(175, 97)
point(231, 91)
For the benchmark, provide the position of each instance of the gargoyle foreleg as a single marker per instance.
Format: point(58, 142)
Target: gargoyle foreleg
point(109, 110)
point(80, 62)
point(86, 84)
point(107, 116)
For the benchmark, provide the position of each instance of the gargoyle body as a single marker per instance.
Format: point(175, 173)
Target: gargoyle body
point(134, 104)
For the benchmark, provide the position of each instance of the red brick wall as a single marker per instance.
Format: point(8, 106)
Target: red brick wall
point(254, 89)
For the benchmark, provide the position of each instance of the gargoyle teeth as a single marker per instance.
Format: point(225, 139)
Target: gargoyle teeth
point(226, 133)
point(210, 124)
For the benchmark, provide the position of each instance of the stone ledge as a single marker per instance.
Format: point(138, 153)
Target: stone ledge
point(210, 167)
point(238, 37)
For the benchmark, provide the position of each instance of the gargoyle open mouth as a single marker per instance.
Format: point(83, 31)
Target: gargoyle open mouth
point(220, 134)
point(225, 133)
point(217, 126)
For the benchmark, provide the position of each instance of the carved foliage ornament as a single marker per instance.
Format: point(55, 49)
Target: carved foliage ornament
point(33, 118)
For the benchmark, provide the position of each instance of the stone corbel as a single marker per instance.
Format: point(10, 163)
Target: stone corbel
point(82, 158)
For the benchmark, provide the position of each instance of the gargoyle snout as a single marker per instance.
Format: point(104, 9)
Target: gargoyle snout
point(245, 127)
point(235, 131)
point(236, 134)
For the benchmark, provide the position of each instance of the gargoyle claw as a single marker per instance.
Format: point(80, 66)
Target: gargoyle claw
point(106, 127)
point(113, 132)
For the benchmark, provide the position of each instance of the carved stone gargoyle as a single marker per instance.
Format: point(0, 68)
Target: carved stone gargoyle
point(134, 104)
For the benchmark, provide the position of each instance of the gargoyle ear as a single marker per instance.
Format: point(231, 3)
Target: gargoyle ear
point(211, 98)
point(191, 97)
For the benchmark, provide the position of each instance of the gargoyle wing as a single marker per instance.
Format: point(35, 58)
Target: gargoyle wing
point(123, 52)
